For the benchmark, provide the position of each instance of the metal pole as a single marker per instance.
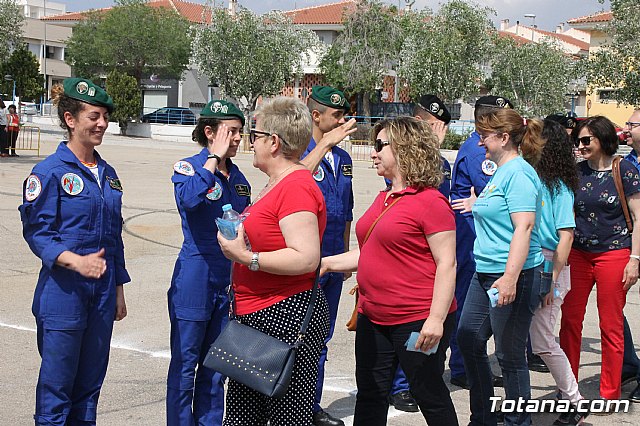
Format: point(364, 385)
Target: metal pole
point(46, 79)
point(13, 98)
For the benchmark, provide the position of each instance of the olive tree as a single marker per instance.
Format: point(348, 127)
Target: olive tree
point(249, 55)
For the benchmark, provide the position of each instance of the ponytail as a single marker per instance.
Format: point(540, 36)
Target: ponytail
point(532, 142)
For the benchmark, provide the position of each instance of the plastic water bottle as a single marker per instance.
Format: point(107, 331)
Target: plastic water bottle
point(228, 223)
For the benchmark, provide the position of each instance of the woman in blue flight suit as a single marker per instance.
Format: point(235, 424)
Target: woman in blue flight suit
point(198, 302)
point(72, 220)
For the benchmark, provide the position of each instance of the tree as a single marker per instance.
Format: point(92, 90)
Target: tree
point(365, 50)
point(133, 38)
point(125, 91)
point(249, 55)
point(533, 75)
point(11, 20)
point(442, 53)
point(616, 63)
point(24, 68)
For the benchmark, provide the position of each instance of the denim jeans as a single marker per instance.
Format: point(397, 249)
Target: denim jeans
point(510, 327)
point(379, 348)
point(631, 363)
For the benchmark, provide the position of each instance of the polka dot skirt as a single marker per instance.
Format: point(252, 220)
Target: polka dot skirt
point(246, 407)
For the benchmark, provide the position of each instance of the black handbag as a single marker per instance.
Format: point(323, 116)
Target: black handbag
point(255, 359)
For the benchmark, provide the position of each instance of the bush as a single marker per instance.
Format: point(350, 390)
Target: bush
point(454, 140)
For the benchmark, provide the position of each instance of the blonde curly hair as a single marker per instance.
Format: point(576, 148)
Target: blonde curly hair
point(416, 149)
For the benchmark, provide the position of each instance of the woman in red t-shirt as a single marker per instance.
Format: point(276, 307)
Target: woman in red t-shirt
point(13, 127)
point(406, 274)
point(276, 254)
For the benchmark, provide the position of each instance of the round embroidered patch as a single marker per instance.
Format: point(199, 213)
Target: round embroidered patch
point(489, 167)
point(215, 192)
point(72, 184)
point(319, 174)
point(184, 168)
point(32, 188)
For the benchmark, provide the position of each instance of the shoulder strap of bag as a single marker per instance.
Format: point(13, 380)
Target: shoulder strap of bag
point(366, 237)
point(617, 179)
point(307, 317)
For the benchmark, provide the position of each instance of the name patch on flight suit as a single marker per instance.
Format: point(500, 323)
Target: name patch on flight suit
point(114, 183)
point(319, 174)
point(347, 169)
point(32, 188)
point(184, 168)
point(215, 192)
point(243, 190)
point(72, 183)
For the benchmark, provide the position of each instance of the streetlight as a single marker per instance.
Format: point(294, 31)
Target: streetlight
point(531, 16)
point(9, 77)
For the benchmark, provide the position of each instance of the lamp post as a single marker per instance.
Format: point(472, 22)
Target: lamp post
point(531, 16)
point(9, 77)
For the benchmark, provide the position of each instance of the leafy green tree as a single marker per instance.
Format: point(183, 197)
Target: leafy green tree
point(249, 55)
point(11, 21)
point(617, 63)
point(365, 51)
point(133, 38)
point(24, 68)
point(442, 53)
point(125, 91)
point(533, 75)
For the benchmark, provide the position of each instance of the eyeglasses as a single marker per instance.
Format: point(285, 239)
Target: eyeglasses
point(632, 124)
point(379, 144)
point(484, 138)
point(254, 134)
point(585, 141)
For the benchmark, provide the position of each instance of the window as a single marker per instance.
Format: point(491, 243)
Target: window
point(607, 95)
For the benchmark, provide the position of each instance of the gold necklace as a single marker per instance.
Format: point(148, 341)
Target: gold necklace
point(271, 183)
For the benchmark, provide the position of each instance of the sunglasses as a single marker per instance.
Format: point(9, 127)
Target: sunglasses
point(255, 134)
point(585, 141)
point(379, 144)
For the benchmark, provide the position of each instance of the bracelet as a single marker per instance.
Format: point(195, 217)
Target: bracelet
point(217, 157)
point(634, 256)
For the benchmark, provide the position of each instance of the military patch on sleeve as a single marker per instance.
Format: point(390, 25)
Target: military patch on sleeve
point(347, 169)
point(447, 174)
point(32, 188)
point(243, 190)
point(184, 168)
point(114, 183)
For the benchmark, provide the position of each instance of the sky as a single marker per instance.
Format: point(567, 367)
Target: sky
point(549, 13)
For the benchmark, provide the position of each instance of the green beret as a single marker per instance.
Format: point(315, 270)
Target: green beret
point(222, 110)
point(330, 97)
point(84, 90)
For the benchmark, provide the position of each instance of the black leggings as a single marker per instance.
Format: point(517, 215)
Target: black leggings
point(379, 348)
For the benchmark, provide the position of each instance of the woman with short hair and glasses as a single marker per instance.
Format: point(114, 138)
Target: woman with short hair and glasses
point(276, 254)
point(604, 252)
point(406, 276)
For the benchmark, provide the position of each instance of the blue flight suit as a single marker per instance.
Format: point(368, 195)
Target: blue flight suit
point(467, 172)
point(400, 382)
point(65, 209)
point(338, 196)
point(198, 302)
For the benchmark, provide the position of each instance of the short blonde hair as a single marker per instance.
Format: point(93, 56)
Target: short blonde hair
point(416, 148)
point(290, 119)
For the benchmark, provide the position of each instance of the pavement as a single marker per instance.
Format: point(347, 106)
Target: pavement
point(134, 390)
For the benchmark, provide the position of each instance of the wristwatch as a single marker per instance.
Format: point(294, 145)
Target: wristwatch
point(216, 156)
point(254, 265)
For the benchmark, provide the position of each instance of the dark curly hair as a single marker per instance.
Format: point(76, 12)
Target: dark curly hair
point(557, 163)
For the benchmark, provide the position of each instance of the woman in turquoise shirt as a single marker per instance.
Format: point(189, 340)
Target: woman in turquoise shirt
point(508, 258)
point(559, 175)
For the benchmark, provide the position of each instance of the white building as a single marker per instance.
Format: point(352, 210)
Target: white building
point(45, 40)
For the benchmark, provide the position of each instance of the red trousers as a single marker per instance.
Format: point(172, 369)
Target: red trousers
point(605, 270)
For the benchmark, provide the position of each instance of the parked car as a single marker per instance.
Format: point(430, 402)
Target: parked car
point(167, 115)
